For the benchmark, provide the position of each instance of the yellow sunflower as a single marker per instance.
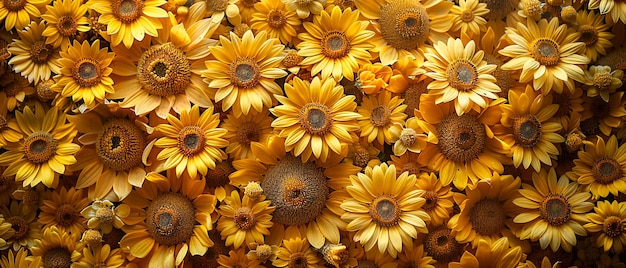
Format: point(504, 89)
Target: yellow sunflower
point(602, 117)
point(62, 209)
point(243, 130)
point(336, 43)
point(554, 211)
point(18, 14)
point(166, 75)
point(244, 220)
point(601, 80)
point(615, 8)
point(32, 57)
point(57, 247)
point(104, 257)
point(237, 258)
point(295, 249)
point(46, 149)
point(129, 20)
point(192, 142)
point(404, 27)
point(461, 75)
point(6, 232)
point(601, 167)
point(491, 254)
point(546, 54)
point(217, 10)
point(65, 19)
point(243, 74)
point(305, 8)
point(169, 219)
point(410, 138)
point(20, 259)
point(384, 209)
point(440, 244)
point(439, 201)
point(85, 73)
point(23, 220)
point(103, 215)
point(274, 17)
point(315, 118)
point(464, 149)
point(415, 256)
point(594, 33)
point(532, 135)
point(9, 129)
point(15, 88)
point(469, 17)
point(608, 219)
point(379, 114)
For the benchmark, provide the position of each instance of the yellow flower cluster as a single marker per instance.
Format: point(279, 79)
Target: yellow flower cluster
point(312, 133)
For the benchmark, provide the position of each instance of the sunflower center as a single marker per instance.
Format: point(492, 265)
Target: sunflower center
point(292, 59)
point(191, 140)
point(361, 157)
point(66, 215)
point(606, 170)
point(217, 5)
point(244, 218)
point(120, 144)
point(127, 11)
point(57, 258)
point(431, 200)
point(404, 24)
point(20, 226)
point(461, 138)
point(588, 34)
point(380, 116)
point(105, 215)
point(335, 44)
point(467, 15)
point(244, 72)
point(298, 190)
point(87, 72)
point(385, 210)
point(602, 80)
point(441, 245)
point(170, 219)
point(462, 75)
point(613, 226)
point(546, 52)
point(527, 130)
point(408, 136)
point(276, 19)
point(92, 238)
point(487, 217)
point(164, 70)
point(14, 5)
point(573, 142)
point(67, 26)
point(40, 52)
point(297, 260)
point(247, 133)
point(315, 118)
point(39, 147)
point(555, 209)
point(219, 175)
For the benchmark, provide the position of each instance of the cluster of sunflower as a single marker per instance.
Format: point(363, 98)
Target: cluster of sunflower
point(312, 133)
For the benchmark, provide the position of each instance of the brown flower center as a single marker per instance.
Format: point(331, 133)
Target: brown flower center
point(216, 5)
point(467, 15)
point(120, 144)
point(191, 140)
point(335, 44)
point(20, 226)
point(380, 116)
point(127, 11)
point(87, 72)
point(244, 72)
point(164, 70)
point(408, 136)
point(14, 5)
point(404, 24)
point(219, 175)
point(385, 210)
point(602, 80)
point(297, 260)
point(315, 118)
point(546, 51)
point(555, 209)
point(361, 157)
point(57, 258)
point(244, 218)
point(105, 215)
point(66, 215)
point(588, 34)
point(527, 130)
point(606, 170)
point(40, 52)
point(613, 226)
point(462, 75)
point(487, 217)
point(461, 138)
point(67, 26)
point(431, 200)
point(170, 219)
point(247, 133)
point(39, 147)
point(292, 59)
point(441, 245)
point(276, 19)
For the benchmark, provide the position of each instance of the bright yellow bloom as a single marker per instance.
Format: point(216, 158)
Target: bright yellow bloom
point(103, 215)
point(615, 8)
point(20, 260)
point(594, 32)
point(609, 219)
point(469, 17)
point(243, 130)
point(305, 8)
point(379, 115)
point(411, 138)
point(244, 220)
point(65, 18)
point(296, 249)
point(23, 219)
point(491, 254)
point(274, 17)
point(600, 80)
point(100, 257)
point(439, 201)
point(62, 210)
point(18, 14)
point(33, 57)
point(58, 247)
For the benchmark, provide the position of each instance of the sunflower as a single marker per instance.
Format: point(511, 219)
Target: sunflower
point(169, 218)
point(469, 17)
point(554, 210)
point(601, 117)
point(415, 257)
point(464, 149)
point(64, 20)
point(362, 154)
point(336, 43)
point(244, 220)
point(217, 10)
point(491, 254)
point(274, 17)
point(546, 54)
point(18, 14)
point(20, 260)
point(532, 135)
point(601, 166)
point(263, 253)
point(243, 130)
point(600, 80)
point(439, 201)
point(306, 7)
point(15, 88)
point(407, 162)
point(62, 209)
point(57, 247)
point(45, 150)
point(316, 118)
point(296, 252)
point(100, 257)
point(410, 138)
point(608, 219)
point(111, 157)
point(237, 258)
point(9, 129)
point(6, 232)
point(594, 33)
point(440, 244)
point(404, 27)
point(615, 8)
point(129, 20)
point(85, 73)
point(379, 114)
point(384, 209)
point(23, 220)
point(103, 215)
point(192, 142)
point(166, 75)
point(244, 71)
point(460, 74)
point(32, 57)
